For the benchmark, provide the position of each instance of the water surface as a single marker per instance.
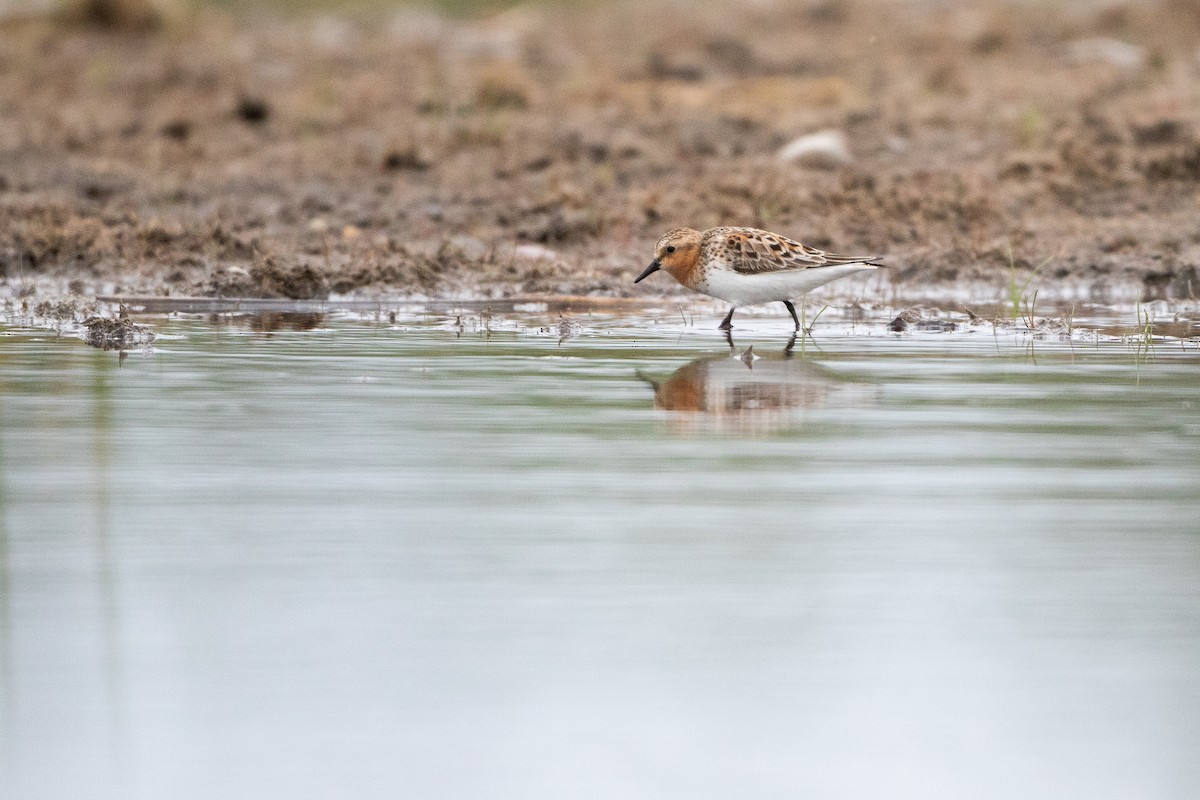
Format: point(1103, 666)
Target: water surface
point(453, 556)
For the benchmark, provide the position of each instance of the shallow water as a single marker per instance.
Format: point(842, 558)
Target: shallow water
point(289, 557)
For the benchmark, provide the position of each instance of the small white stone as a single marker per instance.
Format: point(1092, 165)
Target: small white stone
point(825, 149)
point(1109, 51)
point(534, 252)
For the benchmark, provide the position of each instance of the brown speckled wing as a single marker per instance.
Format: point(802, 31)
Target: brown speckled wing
point(750, 251)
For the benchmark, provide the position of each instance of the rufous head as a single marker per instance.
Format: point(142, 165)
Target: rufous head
point(676, 252)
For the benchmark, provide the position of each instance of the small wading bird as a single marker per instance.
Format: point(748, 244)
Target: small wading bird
point(745, 266)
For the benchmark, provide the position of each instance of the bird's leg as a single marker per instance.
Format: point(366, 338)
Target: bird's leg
point(787, 351)
point(728, 337)
point(792, 310)
point(727, 323)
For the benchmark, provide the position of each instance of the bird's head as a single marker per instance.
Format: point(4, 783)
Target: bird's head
point(676, 252)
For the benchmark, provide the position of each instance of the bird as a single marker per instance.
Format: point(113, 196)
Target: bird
point(746, 266)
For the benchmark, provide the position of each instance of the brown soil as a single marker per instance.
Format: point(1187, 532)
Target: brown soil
point(545, 150)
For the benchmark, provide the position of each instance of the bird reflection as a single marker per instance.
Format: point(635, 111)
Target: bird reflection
point(751, 392)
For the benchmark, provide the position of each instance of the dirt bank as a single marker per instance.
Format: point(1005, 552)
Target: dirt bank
point(545, 150)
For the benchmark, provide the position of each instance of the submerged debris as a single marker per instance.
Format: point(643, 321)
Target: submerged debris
point(919, 318)
point(64, 310)
point(120, 333)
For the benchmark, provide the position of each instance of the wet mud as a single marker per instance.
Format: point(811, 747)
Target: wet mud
point(544, 150)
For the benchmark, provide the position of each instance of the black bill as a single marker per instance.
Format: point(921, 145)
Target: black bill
point(654, 267)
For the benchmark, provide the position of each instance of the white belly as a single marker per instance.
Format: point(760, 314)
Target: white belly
point(746, 290)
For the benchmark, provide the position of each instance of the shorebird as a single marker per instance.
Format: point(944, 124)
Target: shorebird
point(745, 266)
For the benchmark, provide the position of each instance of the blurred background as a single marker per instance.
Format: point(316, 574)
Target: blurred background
point(302, 148)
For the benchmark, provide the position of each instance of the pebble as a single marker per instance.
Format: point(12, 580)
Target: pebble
point(1106, 50)
point(824, 149)
point(534, 252)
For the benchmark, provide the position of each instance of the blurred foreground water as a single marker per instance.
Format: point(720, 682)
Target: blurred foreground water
point(301, 557)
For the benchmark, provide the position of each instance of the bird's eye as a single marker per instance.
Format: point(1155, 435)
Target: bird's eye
point(671, 249)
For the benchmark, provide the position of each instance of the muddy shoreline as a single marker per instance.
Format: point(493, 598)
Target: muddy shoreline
point(544, 150)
